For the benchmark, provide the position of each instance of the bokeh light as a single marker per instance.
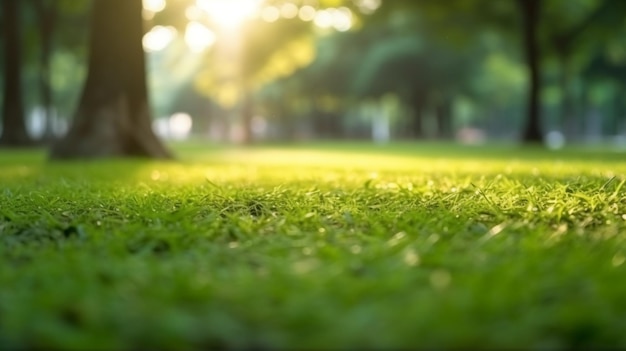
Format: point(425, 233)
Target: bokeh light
point(270, 14)
point(340, 19)
point(307, 13)
point(368, 6)
point(154, 5)
point(289, 10)
point(180, 125)
point(229, 14)
point(198, 37)
point(324, 19)
point(158, 38)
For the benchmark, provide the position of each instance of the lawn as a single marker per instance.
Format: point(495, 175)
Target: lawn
point(315, 246)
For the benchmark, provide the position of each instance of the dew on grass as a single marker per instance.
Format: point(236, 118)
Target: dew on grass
point(304, 266)
point(396, 239)
point(155, 175)
point(618, 260)
point(495, 230)
point(433, 238)
point(440, 279)
point(411, 258)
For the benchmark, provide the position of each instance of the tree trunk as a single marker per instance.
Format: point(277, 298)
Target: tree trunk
point(530, 22)
point(568, 115)
point(620, 110)
point(419, 102)
point(113, 117)
point(247, 112)
point(14, 132)
point(46, 13)
point(444, 120)
point(286, 122)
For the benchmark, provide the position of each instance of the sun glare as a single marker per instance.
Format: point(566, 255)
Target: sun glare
point(154, 5)
point(229, 14)
point(198, 37)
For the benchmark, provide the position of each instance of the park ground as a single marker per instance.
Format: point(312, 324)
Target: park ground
point(315, 246)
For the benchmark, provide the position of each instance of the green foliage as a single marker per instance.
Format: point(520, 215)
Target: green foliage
point(318, 246)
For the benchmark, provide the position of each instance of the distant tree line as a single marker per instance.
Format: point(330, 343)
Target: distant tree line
point(430, 56)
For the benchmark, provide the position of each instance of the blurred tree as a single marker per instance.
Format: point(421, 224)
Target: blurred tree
point(46, 11)
point(325, 88)
point(421, 52)
point(68, 64)
point(14, 131)
point(531, 14)
point(426, 76)
point(260, 53)
point(435, 47)
point(460, 23)
point(113, 116)
point(570, 35)
point(609, 71)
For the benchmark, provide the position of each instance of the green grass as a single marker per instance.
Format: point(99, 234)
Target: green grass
point(315, 247)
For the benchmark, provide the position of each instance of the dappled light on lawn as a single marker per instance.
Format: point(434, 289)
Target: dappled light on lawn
point(326, 246)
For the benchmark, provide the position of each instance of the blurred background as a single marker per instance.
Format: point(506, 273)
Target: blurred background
point(246, 71)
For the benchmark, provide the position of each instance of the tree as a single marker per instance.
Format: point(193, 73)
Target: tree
point(571, 37)
point(260, 53)
point(530, 12)
point(14, 131)
point(46, 13)
point(113, 116)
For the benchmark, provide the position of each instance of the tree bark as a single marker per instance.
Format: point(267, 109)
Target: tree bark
point(46, 13)
point(14, 133)
point(530, 10)
point(568, 116)
point(444, 120)
point(113, 117)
